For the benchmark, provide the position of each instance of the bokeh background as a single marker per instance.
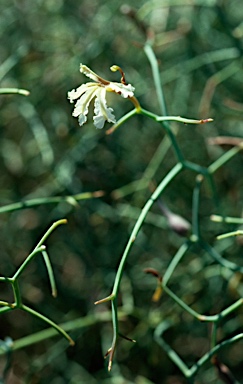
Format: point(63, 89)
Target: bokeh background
point(45, 153)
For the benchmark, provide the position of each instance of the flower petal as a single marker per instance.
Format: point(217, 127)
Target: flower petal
point(82, 106)
point(92, 75)
point(102, 112)
point(122, 89)
point(76, 93)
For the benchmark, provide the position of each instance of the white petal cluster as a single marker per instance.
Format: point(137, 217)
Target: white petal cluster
point(97, 91)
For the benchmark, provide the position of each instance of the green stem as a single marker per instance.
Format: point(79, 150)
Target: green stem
point(223, 159)
point(72, 199)
point(156, 76)
point(230, 234)
point(50, 273)
point(195, 207)
point(198, 316)
point(50, 230)
point(220, 260)
point(188, 309)
point(204, 359)
point(227, 219)
point(17, 295)
point(27, 261)
point(5, 309)
point(115, 331)
point(6, 304)
point(168, 130)
point(122, 120)
point(174, 262)
point(23, 92)
point(195, 167)
point(48, 321)
point(173, 172)
point(80, 323)
point(231, 308)
point(161, 328)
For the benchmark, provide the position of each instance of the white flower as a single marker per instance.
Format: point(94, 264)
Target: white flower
point(97, 91)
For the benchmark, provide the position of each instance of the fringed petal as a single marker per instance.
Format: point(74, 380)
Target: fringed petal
point(102, 112)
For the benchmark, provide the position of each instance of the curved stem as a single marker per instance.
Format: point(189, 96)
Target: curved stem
point(72, 325)
point(173, 172)
point(218, 258)
point(27, 261)
point(204, 359)
point(156, 76)
point(48, 321)
point(161, 328)
point(122, 120)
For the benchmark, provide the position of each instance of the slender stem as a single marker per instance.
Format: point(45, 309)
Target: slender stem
point(50, 230)
point(72, 199)
point(184, 120)
point(161, 328)
point(50, 273)
point(23, 92)
point(204, 359)
point(5, 309)
point(173, 172)
point(115, 331)
point(174, 143)
point(223, 159)
point(174, 262)
point(186, 307)
point(195, 167)
point(230, 234)
point(6, 304)
point(231, 308)
point(156, 76)
point(168, 130)
point(217, 257)
point(195, 207)
point(68, 326)
point(48, 321)
point(27, 261)
point(122, 120)
point(178, 119)
point(227, 219)
point(17, 295)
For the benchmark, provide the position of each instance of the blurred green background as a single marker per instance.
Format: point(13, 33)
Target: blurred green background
point(45, 153)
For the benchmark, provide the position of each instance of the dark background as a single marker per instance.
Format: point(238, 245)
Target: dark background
point(45, 153)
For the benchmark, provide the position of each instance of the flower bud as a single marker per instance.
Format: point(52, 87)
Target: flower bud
point(176, 222)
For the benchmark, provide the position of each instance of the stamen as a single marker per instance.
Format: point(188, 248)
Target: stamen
point(115, 68)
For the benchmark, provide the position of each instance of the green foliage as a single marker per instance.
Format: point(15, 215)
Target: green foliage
point(122, 192)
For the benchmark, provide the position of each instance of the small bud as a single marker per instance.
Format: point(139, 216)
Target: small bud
point(115, 68)
point(157, 294)
point(153, 272)
point(223, 371)
point(176, 222)
point(158, 291)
